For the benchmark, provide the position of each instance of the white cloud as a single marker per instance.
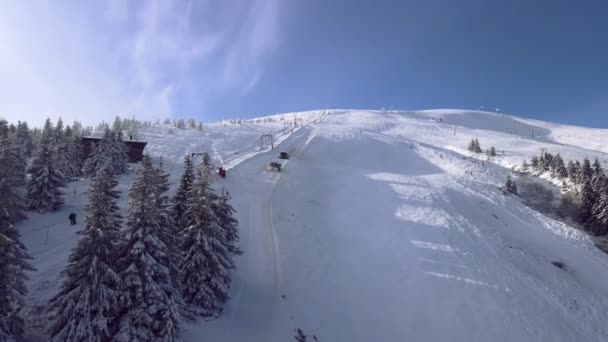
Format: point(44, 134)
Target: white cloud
point(91, 61)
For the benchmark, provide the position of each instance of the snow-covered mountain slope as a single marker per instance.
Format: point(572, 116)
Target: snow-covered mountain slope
point(376, 230)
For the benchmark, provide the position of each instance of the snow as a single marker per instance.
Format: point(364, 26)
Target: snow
point(375, 230)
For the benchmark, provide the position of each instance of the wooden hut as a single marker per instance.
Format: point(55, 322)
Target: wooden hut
point(135, 149)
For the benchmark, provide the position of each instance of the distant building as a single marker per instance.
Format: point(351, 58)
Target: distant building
point(135, 149)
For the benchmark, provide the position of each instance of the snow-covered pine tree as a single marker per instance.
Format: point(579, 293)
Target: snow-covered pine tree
point(510, 187)
point(149, 299)
point(600, 210)
point(477, 147)
point(14, 155)
point(119, 157)
point(200, 126)
point(597, 168)
point(118, 124)
point(586, 172)
point(43, 187)
point(100, 156)
point(225, 214)
point(207, 166)
point(492, 152)
point(471, 146)
point(558, 167)
point(13, 265)
point(13, 254)
point(548, 157)
point(205, 271)
point(72, 166)
point(191, 123)
point(524, 166)
point(535, 163)
point(88, 299)
point(181, 195)
point(23, 138)
point(588, 199)
point(169, 232)
point(572, 171)
point(578, 176)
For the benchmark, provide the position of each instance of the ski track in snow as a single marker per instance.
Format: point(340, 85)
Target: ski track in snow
point(375, 230)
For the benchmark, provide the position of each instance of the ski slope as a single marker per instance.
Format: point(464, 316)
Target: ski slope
point(377, 231)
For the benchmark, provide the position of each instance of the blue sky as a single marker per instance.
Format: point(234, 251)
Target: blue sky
point(212, 59)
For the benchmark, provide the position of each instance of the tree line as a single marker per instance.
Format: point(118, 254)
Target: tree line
point(591, 185)
point(173, 258)
point(126, 280)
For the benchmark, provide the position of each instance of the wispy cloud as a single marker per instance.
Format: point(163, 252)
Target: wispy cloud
point(93, 61)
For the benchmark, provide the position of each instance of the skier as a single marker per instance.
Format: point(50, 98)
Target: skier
point(72, 218)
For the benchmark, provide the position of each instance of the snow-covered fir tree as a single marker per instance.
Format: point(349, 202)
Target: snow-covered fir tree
point(586, 172)
point(510, 187)
point(168, 229)
point(150, 303)
point(600, 210)
point(205, 271)
point(100, 156)
point(597, 168)
point(571, 171)
point(45, 183)
point(119, 157)
point(23, 138)
point(225, 215)
point(558, 167)
point(88, 299)
point(109, 151)
point(73, 164)
point(14, 262)
point(14, 259)
point(534, 163)
point(181, 195)
point(492, 152)
point(588, 199)
point(524, 166)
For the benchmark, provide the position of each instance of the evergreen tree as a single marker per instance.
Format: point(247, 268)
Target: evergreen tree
point(600, 211)
point(510, 187)
point(597, 168)
point(13, 255)
point(588, 199)
point(23, 138)
point(535, 163)
point(578, 175)
point(205, 271)
point(118, 157)
point(200, 126)
point(72, 164)
point(471, 146)
point(13, 265)
point(492, 152)
point(191, 123)
point(525, 167)
point(118, 124)
point(477, 147)
point(101, 155)
point(149, 299)
point(181, 195)
point(169, 233)
point(572, 171)
point(43, 187)
point(586, 170)
point(559, 168)
point(225, 215)
point(88, 300)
